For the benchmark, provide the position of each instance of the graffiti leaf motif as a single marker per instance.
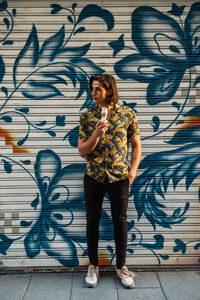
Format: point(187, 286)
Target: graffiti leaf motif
point(7, 166)
point(197, 246)
point(51, 133)
point(176, 10)
point(24, 110)
point(7, 22)
point(165, 257)
point(6, 119)
point(177, 105)
point(58, 216)
point(4, 90)
point(55, 197)
point(14, 11)
point(117, 45)
point(26, 162)
point(193, 172)
point(8, 42)
point(37, 60)
point(79, 30)
point(22, 141)
point(56, 8)
point(133, 237)
point(186, 135)
point(110, 249)
point(156, 123)
point(74, 52)
point(31, 51)
point(5, 244)
point(26, 223)
point(70, 19)
point(131, 251)
point(195, 111)
point(32, 242)
point(73, 136)
point(180, 246)
point(42, 123)
point(74, 5)
point(3, 5)
point(35, 202)
point(93, 10)
point(60, 121)
point(51, 46)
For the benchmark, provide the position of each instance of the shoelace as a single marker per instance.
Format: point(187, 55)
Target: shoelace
point(92, 271)
point(125, 272)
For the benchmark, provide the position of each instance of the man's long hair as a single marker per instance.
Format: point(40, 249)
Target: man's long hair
point(108, 82)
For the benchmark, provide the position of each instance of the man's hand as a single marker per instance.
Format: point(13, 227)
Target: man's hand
point(131, 175)
point(85, 147)
point(100, 129)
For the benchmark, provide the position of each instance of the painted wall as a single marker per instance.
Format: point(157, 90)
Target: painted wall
point(48, 51)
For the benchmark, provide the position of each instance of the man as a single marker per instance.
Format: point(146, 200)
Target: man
point(104, 144)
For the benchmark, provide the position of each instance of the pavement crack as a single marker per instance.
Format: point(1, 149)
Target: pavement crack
point(27, 287)
point(72, 283)
point(116, 287)
point(161, 286)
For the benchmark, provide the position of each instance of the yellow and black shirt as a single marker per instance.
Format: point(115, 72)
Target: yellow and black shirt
point(110, 156)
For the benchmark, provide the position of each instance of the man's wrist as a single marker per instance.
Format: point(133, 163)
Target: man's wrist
point(133, 169)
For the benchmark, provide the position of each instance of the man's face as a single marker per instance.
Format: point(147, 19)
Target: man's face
point(99, 93)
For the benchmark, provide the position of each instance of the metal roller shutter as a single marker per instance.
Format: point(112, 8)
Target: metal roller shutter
point(48, 51)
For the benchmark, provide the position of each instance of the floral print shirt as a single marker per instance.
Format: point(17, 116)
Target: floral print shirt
point(110, 156)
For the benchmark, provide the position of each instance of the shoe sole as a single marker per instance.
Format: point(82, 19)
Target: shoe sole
point(89, 285)
point(128, 286)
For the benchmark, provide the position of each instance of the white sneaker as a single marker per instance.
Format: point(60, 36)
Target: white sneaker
point(92, 276)
point(126, 277)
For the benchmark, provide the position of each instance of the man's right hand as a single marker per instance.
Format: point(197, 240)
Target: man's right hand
point(85, 147)
point(100, 129)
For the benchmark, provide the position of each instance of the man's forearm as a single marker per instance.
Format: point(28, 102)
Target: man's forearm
point(135, 157)
point(86, 147)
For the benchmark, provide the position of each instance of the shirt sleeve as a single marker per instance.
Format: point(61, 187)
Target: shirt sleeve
point(133, 128)
point(82, 128)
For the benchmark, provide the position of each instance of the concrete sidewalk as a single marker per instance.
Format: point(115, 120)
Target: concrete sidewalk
point(170, 285)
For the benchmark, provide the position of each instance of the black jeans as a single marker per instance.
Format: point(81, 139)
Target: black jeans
point(118, 194)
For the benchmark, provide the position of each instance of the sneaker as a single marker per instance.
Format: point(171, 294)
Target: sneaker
point(92, 276)
point(126, 277)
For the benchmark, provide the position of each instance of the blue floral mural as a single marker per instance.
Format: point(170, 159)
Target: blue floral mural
point(53, 65)
point(161, 57)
